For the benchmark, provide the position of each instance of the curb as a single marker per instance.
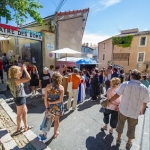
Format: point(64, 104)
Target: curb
point(8, 143)
point(31, 137)
point(145, 144)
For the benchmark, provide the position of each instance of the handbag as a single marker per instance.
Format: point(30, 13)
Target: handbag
point(69, 88)
point(47, 122)
point(104, 102)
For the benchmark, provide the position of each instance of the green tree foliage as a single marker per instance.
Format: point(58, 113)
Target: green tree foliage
point(19, 10)
point(124, 41)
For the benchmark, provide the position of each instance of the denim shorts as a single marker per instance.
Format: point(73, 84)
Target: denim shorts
point(20, 101)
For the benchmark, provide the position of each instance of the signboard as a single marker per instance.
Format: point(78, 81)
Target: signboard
point(22, 33)
point(50, 46)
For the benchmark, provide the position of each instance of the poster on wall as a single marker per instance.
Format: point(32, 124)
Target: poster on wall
point(50, 46)
point(141, 57)
point(26, 52)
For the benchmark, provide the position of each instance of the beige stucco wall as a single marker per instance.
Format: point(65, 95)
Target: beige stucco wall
point(70, 34)
point(9, 45)
point(48, 38)
point(107, 51)
point(133, 50)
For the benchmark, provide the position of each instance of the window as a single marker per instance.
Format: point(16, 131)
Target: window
point(141, 57)
point(143, 41)
point(103, 45)
point(103, 56)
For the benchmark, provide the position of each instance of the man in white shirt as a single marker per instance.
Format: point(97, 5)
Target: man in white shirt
point(135, 96)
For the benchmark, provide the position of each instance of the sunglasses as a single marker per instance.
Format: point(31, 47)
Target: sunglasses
point(117, 83)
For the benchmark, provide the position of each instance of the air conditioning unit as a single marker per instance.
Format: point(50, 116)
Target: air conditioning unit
point(139, 65)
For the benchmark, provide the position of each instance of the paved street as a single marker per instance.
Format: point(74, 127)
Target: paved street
point(79, 130)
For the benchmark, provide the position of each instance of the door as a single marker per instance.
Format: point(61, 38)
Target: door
point(36, 55)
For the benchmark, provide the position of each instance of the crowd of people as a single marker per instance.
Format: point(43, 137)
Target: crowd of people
point(127, 95)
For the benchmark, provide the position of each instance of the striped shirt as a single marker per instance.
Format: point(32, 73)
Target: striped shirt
point(133, 95)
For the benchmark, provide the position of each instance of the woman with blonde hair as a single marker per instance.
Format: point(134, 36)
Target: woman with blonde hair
point(54, 94)
point(112, 109)
point(15, 83)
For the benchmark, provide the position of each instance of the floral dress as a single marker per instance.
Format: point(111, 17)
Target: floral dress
point(53, 95)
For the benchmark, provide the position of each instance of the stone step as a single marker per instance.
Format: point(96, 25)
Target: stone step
point(8, 143)
point(28, 138)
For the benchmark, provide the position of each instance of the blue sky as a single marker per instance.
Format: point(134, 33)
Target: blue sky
point(106, 17)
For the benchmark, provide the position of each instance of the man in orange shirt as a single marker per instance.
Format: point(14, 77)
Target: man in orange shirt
point(75, 79)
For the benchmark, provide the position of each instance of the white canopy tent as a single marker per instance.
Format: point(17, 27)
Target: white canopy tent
point(70, 59)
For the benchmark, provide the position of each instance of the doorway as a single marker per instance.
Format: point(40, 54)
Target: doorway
point(36, 55)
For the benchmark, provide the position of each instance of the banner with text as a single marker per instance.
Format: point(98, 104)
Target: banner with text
point(20, 32)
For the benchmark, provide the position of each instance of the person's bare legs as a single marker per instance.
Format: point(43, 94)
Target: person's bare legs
point(129, 141)
point(56, 125)
point(35, 89)
point(24, 116)
point(119, 136)
point(19, 116)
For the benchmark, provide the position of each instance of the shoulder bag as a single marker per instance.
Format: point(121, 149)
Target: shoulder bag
point(69, 88)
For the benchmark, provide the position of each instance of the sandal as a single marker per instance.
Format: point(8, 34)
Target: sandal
point(18, 131)
point(57, 133)
point(118, 142)
point(26, 129)
point(111, 131)
point(104, 128)
point(128, 145)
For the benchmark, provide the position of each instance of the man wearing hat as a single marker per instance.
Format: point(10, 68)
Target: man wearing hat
point(44, 80)
point(75, 79)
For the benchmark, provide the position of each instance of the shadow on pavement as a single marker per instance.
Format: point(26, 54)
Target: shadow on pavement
point(87, 104)
point(49, 141)
point(101, 142)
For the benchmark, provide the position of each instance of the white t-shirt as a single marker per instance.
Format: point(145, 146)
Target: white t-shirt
point(134, 93)
point(51, 73)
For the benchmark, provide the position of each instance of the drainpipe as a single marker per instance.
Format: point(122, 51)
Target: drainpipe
point(56, 37)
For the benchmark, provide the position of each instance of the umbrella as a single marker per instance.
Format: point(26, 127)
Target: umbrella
point(65, 51)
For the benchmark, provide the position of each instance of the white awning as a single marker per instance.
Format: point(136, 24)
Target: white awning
point(70, 59)
point(3, 38)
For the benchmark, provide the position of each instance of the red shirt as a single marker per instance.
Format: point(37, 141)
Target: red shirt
point(29, 69)
point(1, 65)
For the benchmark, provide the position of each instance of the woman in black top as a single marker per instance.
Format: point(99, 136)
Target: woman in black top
point(94, 85)
point(44, 80)
point(101, 80)
point(121, 76)
point(34, 82)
